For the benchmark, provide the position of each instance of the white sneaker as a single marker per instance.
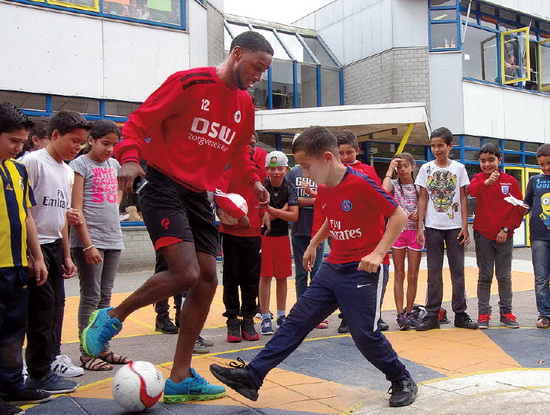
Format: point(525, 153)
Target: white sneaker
point(63, 366)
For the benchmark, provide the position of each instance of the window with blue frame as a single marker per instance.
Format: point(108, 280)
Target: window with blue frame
point(444, 25)
point(304, 72)
point(504, 47)
point(170, 13)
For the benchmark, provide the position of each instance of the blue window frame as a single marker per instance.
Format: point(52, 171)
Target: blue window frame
point(164, 13)
point(444, 25)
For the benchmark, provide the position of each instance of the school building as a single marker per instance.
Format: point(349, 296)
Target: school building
point(390, 70)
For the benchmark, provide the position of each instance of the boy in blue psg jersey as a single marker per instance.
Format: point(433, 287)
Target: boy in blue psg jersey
point(17, 233)
point(349, 278)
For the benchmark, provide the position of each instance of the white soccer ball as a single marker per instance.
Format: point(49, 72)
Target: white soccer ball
point(239, 201)
point(137, 386)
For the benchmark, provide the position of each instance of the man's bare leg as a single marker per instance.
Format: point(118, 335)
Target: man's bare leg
point(193, 315)
point(182, 274)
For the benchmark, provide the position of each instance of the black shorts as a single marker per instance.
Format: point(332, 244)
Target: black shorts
point(174, 213)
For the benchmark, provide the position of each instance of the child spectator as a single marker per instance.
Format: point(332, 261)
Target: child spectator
point(444, 205)
point(52, 182)
point(37, 138)
point(18, 230)
point(96, 243)
point(537, 198)
point(348, 149)
point(306, 191)
point(276, 256)
point(348, 278)
point(405, 193)
point(494, 224)
point(241, 244)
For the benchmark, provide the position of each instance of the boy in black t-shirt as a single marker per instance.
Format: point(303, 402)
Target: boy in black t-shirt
point(276, 257)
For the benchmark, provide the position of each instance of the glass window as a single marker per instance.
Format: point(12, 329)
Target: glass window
point(531, 159)
point(382, 150)
point(480, 55)
point(91, 5)
point(471, 141)
point(454, 154)
point(544, 56)
point(471, 155)
point(120, 108)
point(282, 84)
point(515, 55)
point(512, 145)
point(511, 158)
point(82, 105)
point(24, 101)
point(259, 93)
point(507, 15)
point(492, 141)
point(456, 140)
point(319, 51)
point(418, 152)
point(164, 11)
point(443, 36)
point(275, 44)
point(442, 15)
point(296, 48)
point(472, 170)
point(436, 3)
point(531, 147)
point(330, 81)
point(307, 86)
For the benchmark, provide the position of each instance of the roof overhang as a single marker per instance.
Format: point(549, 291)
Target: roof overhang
point(382, 122)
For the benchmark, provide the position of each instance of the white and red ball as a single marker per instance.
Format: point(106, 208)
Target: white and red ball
point(137, 386)
point(238, 201)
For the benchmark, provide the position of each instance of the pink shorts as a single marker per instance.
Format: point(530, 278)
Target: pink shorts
point(407, 239)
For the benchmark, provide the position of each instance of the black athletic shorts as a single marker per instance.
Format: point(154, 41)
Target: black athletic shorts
point(174, 213)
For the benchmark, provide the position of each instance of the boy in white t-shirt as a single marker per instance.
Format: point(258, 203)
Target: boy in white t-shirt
point(443, 204)
point(52, 182)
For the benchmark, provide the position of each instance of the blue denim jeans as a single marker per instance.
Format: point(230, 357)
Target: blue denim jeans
point(540, 251)
point(299, 246)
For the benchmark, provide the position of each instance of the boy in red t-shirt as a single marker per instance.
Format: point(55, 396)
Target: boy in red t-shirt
point(241, 246)
point(349, 278)
point(494, 224)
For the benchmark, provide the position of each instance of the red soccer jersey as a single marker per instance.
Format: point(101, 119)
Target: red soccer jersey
point(492, 211)
point(190, 128)
point(365, 168)
point(353, 209)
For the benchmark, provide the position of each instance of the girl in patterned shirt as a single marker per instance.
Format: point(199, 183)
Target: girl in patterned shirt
point(405, 192)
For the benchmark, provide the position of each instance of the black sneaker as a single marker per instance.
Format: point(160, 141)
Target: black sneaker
point(343, 327)
point(237, 378)
point(248, 330)
point(463, 321)
point(7, 409)
point(27, 396)
point(234, 331)
point(383, 325)
point(165, 325)
point(428, 323)
point(403, 392)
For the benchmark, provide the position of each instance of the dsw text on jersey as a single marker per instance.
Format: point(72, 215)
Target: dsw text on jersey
point(217, 135)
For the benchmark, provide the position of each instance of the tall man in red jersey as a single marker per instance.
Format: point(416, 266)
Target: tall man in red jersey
point(349, 278)
point(194, 124)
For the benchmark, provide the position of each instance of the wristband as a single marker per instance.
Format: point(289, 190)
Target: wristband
point(88, 248)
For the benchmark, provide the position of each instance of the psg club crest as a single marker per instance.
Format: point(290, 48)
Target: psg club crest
point(346, 205)
point(505, 188)
point(237, 116)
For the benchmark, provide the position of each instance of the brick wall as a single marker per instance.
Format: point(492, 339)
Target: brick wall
point(215, 35)
point(396, 75)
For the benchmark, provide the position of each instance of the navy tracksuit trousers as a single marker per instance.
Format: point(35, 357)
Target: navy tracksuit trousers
point(358, 294)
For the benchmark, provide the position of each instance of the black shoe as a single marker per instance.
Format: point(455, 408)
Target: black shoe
point(234, 331)
point(165, 325)
point(428, 323)
point(27, 396)
point(237, 378)
point(463, 321)
point(403, 392)
point(383, 325)
point(343, 327)
point(7, 409)
point(248, 330)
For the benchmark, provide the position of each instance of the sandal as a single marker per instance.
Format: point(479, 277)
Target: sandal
point(115, 359)
point(95, 364)
point(543, 322)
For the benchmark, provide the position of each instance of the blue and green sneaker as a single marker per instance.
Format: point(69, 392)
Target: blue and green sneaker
point(101, 328)
point(193, 388)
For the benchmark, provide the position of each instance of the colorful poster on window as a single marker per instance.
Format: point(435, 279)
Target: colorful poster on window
point(162, 5)
point(90, 5)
